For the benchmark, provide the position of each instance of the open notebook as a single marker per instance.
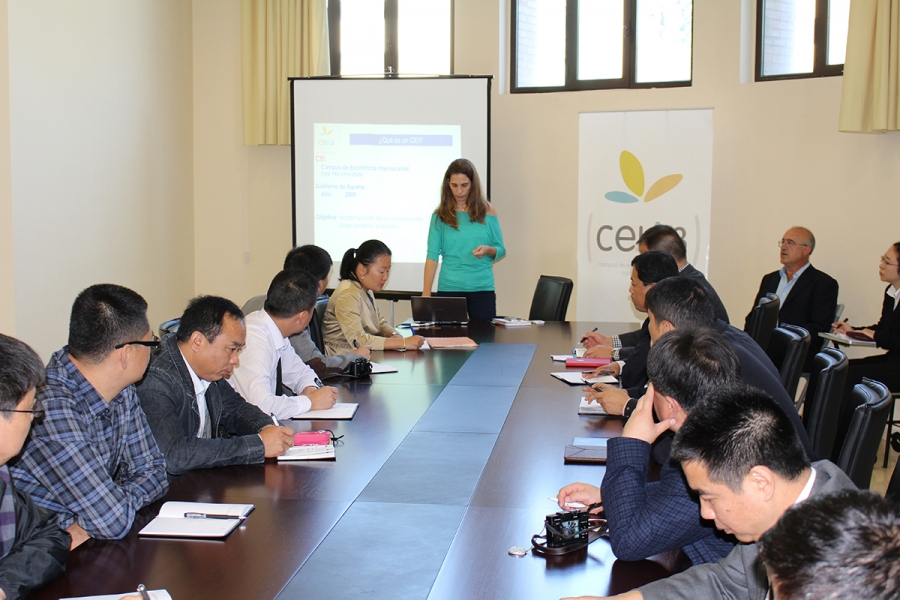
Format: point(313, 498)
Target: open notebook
point(196, 519)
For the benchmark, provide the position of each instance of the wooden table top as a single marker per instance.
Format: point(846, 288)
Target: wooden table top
point(362, 525)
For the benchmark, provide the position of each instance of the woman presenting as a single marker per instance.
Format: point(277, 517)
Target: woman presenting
point(465, 234)
point(352, 319)
point(886, 333)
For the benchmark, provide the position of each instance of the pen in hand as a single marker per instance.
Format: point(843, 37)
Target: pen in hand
point(275, 419)
point(594, 330)
point(142, 590)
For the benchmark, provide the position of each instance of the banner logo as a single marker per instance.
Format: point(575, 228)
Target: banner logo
point(633, 176)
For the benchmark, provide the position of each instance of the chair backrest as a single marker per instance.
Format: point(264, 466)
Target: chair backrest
point(893, 488)
point(838, 311)
point(788, 346)
point(551, 298)
point(167, 327)
point(823, 399)
point(254, 304)
point(315, 324)
point(763, 319)
point(860, 448)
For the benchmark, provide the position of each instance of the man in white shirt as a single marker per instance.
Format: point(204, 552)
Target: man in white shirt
point(198, 420)
point(271, 375)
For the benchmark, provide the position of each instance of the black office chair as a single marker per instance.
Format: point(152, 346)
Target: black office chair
point(893, 488)
point(860, 449)
point(764, 319)
point(167, 327)
point(826, 386)
point(315, 324)
point(787, 348)
point(551, 298)
point(891, 438)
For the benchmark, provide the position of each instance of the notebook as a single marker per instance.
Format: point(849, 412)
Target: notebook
point(586, 451)
point(196, 519)
point(309, 452)
point(440, 310)
point(578, 378)
point(451, 342)
point(342, 411)
point(591, 408)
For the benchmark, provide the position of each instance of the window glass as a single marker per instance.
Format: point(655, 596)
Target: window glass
point(788, 37)
point(600, 40)
point(423, 36)
point(664, 40)
point(541, 43)
point(838, 19)
point(362, 37)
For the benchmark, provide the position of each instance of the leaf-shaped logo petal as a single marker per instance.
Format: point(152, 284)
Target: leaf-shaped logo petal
point(621, 197)
point(326, 131)
point(632, 172)
point(663, 185)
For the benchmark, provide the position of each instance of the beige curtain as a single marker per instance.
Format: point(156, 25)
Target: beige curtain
point(279, 39)
point(870, 98)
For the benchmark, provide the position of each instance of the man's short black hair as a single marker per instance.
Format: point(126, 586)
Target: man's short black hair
point(21, 370)
point(689, 365)
point(310, 258)
point(735, 429)
point(844, 545)
point(665, 238)
point(206, 314)
point(681, 301)
point(291, 292)
point(653, 266)
point(104, 316)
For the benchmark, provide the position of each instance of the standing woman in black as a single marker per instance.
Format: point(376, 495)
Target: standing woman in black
point(886, 333)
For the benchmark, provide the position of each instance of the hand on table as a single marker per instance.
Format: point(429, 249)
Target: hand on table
point(363, 351)
point(79, 535)
point(841, 327)
point(276, 439)
point(598, 352)
point(585, 493)
point(612, 369)
point(611, 398)
point(321, 398)
point(592, 338)
point(640, 425)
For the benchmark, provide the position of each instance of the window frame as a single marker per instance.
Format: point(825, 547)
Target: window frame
point(820, 43)
point(572, 83)
point(391, 34)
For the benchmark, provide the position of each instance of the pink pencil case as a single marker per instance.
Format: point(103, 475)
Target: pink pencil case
point(312, 438)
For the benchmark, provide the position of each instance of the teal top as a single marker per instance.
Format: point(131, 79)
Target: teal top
point(460, 270)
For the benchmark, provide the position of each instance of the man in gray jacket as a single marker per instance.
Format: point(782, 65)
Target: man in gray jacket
point(741, 455)
point(197, 418)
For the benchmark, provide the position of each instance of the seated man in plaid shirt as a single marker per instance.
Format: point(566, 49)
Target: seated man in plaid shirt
point(93, 459)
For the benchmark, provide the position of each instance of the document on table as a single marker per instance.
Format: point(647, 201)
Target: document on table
point(591, 408)
point(380, 368)
point(154, 595)
point(342, 411)
point(437, 343)
point(577, 377)
point(196, 519)
point(309, 452)
point(575, 353)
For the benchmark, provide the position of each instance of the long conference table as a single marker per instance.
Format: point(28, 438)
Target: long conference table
point(447, 464)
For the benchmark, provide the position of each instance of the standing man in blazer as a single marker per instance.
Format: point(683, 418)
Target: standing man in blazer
point(808, 296)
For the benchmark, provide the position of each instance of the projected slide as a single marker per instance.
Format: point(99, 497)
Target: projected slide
point(373, 181)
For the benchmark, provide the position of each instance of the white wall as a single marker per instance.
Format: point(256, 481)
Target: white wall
point(778, 161)
point(7, 262)
point(101, 145)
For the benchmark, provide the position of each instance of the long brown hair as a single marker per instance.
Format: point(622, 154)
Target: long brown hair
point(477, 204)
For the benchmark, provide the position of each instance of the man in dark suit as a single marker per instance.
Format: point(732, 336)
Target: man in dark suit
point(808, 296)
point(648, 518)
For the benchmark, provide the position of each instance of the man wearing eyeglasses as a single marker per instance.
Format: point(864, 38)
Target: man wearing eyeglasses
point(808, 296)
point(33, 549)
point(92, 459)
point(198, 419)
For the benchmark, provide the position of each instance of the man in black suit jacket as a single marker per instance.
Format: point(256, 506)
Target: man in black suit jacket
point(808, 296)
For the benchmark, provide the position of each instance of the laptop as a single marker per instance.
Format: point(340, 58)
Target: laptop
point(440, 310)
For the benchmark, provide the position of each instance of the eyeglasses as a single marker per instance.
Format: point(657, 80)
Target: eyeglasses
point(790, 243)
point(886, 262)
point(154, 343)
point(37, 409)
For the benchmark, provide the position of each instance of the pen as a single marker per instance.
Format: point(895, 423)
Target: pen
point(275, 419)
point(594, 330)
point(355, 345)
point(143, 592)
point(196, 515)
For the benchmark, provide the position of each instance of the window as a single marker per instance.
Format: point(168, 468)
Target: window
point(589, 44)
point(800, 38)
point(404, 36)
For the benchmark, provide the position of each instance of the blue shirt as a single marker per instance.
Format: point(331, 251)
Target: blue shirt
point(461, 271)
point(93, 462)
point(784, 286)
